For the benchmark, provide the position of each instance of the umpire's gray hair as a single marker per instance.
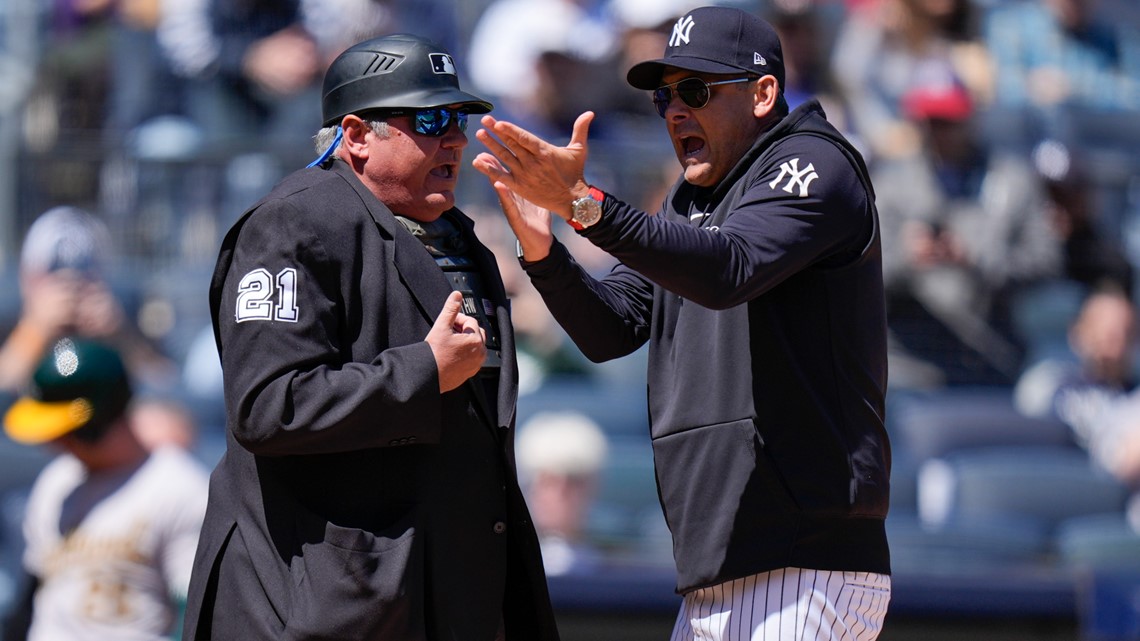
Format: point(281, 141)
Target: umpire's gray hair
point(326, 135)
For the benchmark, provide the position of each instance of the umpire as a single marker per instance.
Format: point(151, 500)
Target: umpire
point(368, 489)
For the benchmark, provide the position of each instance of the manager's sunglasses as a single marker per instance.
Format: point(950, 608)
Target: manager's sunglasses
point(694, 92)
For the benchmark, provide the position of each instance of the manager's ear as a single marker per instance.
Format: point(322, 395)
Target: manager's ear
point(765, 95)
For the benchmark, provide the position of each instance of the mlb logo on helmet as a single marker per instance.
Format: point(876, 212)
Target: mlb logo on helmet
point(442, 63)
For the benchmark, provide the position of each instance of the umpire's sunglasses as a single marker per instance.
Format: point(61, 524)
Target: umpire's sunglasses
point(432, 122)
point(694, 92)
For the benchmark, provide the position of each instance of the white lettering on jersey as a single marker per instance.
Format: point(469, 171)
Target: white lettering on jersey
point(803, 178)
point(255, 297)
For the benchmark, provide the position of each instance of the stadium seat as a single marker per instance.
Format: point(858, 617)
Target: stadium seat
point(1040, 486)
point(937, 424)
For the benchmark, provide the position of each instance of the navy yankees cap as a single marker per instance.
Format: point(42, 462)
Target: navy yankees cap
point(715, 40)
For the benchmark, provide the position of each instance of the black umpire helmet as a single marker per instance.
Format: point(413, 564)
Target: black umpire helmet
point(393, 72)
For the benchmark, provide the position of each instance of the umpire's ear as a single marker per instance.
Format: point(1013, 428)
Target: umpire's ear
point(355, 142)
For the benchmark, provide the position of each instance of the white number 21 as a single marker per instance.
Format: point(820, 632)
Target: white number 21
point(255, 296)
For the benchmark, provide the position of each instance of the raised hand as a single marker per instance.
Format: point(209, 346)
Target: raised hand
point(549, 176)
point(529, 222)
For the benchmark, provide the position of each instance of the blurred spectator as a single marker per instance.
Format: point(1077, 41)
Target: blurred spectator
point(1116, 448)
point(65, 291)
point(252, 71)
point(511, 35)
point(1052, 52)
point(886, 48)
point(806, 38)
point(560, 458)
point(142, 83)
point(161, 422)
point(68, 104)
point(964, 226)
point(1083, 389)
point(101, 75)
point(73, 74)
point(1091, 255)
point(110, 528)
point(546, 61)
point(261, 76)
point(256, 56)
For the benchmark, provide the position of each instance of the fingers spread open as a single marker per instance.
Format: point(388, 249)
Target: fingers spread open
point(518, 139)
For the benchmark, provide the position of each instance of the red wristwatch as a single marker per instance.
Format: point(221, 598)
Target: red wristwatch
point(587, 210)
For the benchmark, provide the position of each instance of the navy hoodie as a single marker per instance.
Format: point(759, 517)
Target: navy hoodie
point(762, 301)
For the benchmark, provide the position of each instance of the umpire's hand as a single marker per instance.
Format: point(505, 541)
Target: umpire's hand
point(458, 344)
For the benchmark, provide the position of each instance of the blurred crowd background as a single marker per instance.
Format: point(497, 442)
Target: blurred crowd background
point(1003, 137)
point(1001, 134)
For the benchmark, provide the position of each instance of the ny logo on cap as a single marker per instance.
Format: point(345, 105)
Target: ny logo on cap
point(442, 63)
point(681, 32)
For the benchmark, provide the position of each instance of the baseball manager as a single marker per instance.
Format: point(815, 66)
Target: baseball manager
point(758, 287)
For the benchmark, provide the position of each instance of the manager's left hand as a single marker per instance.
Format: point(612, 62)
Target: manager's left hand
point(549, 176)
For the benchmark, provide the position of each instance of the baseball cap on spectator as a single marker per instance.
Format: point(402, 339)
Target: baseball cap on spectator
point(65, 238)
point(721, 40)
point(946, 100)
point(80, 387)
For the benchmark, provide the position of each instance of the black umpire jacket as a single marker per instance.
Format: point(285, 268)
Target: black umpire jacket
point(354, 501)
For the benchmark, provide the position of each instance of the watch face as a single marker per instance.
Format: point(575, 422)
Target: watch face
point(587, 211)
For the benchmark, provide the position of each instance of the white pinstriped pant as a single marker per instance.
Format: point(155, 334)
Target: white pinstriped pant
point(789, 604)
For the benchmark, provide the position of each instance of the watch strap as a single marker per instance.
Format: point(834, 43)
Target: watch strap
point(596, 194)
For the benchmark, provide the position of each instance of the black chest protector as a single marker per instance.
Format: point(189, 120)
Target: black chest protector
point(452, 253)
